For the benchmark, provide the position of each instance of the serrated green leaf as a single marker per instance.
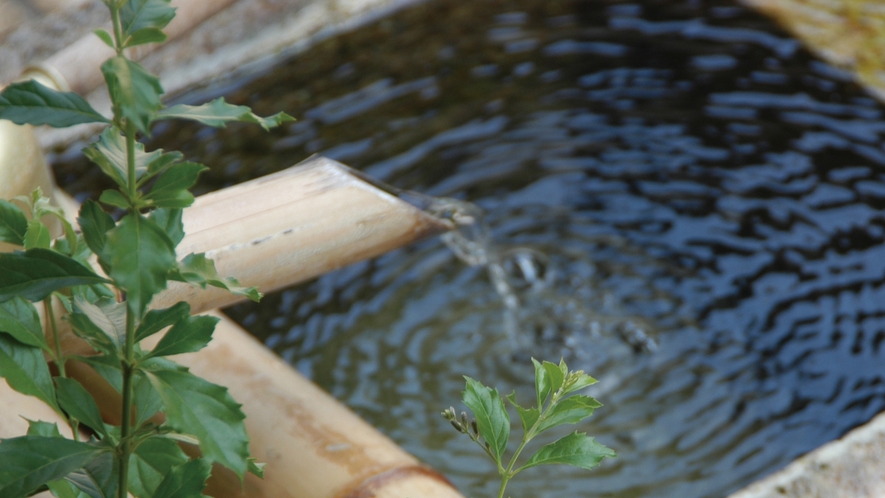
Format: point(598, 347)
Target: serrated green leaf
point(105, 37)
point(196, 406)
point(135, 93)
point(218, 113)
point(28, 462)
point(256, 468)
point(43, 207)
point(19, 318)
point(95, 224)
point(140, 255)
point(102, 324)
point(64, 489)
point(171, 188)
point(108, 367)
point(186, 480)
point(528, 416)
point(492, 419)
point(29, 102)
point(170, 221)
point(569, 411)
point(147, 400)
point(114, 198)
point(576, 381)
point(37, 236)
point(199, 270)
point(97, 479)
point(13, 223)
point(36, 273)
point(109, 154)
point(41, 428)
point(138, 15)
point(76, 400)
point(157, 320)
point(146, 35)
point(576, 450)
point(190, 334)
point(555, 375)
point(150, 462)
point(542, 383)
point(26, 371)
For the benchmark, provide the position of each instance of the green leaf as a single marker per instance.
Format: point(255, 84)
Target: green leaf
point(108, 368)
point(186, 480)
point(144, 15)
point(542, 383)
point(576, 450)
point(199, 270)
point(196, 406)
point(528, 416)
point(41, 428)
point(64, 489)
point(97, 479)
point(171, 189)
point(190, 334)
point(135, 92)
point(577, 380)
point(569, 411)
point(13, 223)
point(109, 154)
point(77, 401)
point(102, 324)
point(492, 419)
point(152, 460)
point(36, 273)
point(146, 35)
point(28, 462)
point(157, 320)
point(147, 400)
point(114, 198)
point(26, 371)
point(555, 375)
point(19, 318)
point(29, 102)
point(95, 224)
point(140, 255)
point(218, 113)
point(37, 236)
point(105, 37)
point(170, 221)
point(256, 468)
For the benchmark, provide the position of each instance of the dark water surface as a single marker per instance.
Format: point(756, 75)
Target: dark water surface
point(684, 164)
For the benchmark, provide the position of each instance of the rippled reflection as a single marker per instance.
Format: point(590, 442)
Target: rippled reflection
point(683, 163)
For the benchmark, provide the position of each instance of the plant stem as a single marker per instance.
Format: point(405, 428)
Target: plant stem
point(50, 317)
point(125, 448)
point(118, 28)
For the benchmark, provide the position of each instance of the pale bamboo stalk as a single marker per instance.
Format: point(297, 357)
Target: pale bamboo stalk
point(77, 67)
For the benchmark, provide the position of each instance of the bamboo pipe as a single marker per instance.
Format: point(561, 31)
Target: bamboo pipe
point(77, 66)
point(286, 228)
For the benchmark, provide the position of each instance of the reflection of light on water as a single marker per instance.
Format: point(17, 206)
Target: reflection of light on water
point(525, 279)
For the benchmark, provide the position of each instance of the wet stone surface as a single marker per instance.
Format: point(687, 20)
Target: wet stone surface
point(682, 164)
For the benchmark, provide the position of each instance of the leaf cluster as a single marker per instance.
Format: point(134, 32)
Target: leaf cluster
point(142, 455)
point(556, 404)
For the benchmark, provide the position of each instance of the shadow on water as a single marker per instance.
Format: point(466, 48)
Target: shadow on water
point(682, 163)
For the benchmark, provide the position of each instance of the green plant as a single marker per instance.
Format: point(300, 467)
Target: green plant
point(557, 405)
point(142, 455)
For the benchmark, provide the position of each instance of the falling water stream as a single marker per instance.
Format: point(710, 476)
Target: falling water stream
point(677, 198)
